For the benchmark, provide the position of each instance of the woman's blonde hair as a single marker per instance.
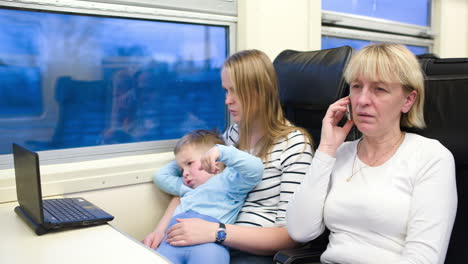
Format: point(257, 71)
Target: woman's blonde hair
point(254, 81)
point(391, 63)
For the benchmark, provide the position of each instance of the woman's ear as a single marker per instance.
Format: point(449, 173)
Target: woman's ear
point(410, 98)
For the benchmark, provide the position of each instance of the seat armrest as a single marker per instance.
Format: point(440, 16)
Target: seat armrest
point(298, 256)
point(308, 253)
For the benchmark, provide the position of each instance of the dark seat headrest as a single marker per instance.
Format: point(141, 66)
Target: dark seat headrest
point(444, 67)
point(446, 90)
point(446, 114)
point(312, 78)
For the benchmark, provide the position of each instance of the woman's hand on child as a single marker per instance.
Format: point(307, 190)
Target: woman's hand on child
point(191, 231)
point(208, 161)
point(153, 239)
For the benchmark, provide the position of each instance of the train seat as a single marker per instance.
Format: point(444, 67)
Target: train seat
point(306, 91)
point(309, 81)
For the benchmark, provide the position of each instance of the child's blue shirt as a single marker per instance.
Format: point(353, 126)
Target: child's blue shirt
point(223, 195)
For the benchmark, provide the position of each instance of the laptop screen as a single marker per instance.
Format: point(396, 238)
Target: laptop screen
point(28, 182)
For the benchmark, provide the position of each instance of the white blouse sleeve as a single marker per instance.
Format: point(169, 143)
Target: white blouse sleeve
point(432, 212)
point(305, 211)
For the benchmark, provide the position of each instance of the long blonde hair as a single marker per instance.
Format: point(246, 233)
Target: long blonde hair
point(390, 63)
point(254, 81)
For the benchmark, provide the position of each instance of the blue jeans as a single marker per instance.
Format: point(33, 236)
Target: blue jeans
point(210, 253)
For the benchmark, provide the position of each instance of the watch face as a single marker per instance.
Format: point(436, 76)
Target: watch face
point(221, 235)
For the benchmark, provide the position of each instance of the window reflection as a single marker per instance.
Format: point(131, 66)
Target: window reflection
point(73, 80)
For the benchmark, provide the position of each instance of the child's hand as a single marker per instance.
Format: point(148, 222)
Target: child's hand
point(153, 239)
point(208, 161)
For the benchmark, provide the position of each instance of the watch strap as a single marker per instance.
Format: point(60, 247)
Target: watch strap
point(221, 234)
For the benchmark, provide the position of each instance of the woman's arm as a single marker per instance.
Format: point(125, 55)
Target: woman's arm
point(154, 238)
point(433, 210)
point(259, 240)
point(305, 211)
point(256, 240)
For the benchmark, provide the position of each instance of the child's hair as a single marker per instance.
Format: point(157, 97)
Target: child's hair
point(199, 138)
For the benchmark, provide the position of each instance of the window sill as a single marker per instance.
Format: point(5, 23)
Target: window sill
point(58, 179)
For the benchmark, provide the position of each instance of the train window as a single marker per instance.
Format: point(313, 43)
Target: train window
point(411, 12)
point(88, 79)
point(356, 23)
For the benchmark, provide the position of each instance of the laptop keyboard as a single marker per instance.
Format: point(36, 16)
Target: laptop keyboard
point(66, 210)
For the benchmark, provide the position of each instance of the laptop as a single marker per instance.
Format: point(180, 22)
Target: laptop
point(50, 214)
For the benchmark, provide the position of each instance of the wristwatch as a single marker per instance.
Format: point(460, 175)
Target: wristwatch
point(221, 234)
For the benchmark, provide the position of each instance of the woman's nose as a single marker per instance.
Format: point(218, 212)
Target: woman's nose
point(227, 100)
point(363, 97)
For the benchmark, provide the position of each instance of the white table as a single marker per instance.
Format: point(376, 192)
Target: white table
point(97, 244)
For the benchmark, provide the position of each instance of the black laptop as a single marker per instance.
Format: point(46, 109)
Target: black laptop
point(50, 214)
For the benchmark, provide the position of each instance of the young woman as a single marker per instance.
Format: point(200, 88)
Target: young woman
point(261, 129)
point(389, 197)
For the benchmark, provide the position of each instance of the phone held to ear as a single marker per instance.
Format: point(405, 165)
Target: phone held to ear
point(349, 114)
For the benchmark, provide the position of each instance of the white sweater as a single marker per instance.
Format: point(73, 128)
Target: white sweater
point(399, 212)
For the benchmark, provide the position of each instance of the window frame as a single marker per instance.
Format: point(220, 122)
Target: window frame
point(119, 10)
point(342, 25)
point(375, 36)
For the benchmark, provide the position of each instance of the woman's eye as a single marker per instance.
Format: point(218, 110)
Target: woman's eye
point(380, 89)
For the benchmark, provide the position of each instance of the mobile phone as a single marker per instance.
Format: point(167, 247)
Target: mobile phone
point(349, 113)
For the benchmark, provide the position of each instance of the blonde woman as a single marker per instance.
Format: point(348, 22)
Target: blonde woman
point(261, 129)
point(389, 197)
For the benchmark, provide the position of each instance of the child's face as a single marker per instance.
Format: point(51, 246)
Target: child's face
point(188, 160)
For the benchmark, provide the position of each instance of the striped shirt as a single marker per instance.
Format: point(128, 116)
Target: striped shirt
point(284, 169)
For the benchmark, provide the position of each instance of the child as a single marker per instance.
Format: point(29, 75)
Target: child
point(208, 191)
